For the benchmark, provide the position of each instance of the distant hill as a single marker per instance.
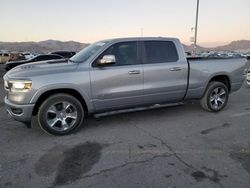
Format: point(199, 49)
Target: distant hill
point(55, 45)
point(43, 46)
point(240, 45)
point(236, 45)
point(191, 47)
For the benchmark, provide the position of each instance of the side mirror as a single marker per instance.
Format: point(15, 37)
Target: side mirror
point(107, 59)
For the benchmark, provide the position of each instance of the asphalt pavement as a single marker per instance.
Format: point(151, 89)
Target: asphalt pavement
point(182, 146)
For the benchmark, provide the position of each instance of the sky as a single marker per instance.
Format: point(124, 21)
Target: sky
point(220, 21)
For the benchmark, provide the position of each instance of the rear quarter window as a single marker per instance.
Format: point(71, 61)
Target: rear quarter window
point(160, 52)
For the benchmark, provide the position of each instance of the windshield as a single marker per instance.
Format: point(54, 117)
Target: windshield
point(87, 52)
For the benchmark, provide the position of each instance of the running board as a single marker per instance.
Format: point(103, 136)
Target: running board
point(155, 106)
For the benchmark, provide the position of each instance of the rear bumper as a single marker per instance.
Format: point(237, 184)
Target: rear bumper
point(237, 85)
point(21, 113)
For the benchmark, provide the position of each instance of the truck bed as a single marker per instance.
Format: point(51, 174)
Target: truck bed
point(203, 69)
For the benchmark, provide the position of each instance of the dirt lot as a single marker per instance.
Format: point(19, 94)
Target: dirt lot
point(181, 146)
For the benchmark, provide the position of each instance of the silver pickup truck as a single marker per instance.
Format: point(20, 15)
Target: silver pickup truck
point(117, 74)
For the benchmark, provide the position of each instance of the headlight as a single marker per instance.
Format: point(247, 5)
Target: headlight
point(19, 85)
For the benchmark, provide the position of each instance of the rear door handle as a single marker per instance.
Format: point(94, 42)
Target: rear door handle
point(134, 72)
point(175, 69)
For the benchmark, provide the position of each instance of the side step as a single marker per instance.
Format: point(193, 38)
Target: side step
point(155, 106)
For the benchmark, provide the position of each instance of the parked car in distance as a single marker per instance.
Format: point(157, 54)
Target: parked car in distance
point(4, 57)
point(248, 77)
point(28, 55)
point(65, 54)
point(16, 56)
point(118, 74)
point(11, 64)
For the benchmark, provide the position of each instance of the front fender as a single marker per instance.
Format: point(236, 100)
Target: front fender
point(51, 87)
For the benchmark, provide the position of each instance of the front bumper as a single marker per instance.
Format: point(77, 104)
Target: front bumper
point(21, 113)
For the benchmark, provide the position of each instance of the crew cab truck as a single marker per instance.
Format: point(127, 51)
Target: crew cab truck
point(117, 74)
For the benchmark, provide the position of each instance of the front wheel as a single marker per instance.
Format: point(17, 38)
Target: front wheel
point(60, 114)
point(215, 97)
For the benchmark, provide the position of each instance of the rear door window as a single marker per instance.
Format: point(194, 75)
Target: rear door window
point(160, 52)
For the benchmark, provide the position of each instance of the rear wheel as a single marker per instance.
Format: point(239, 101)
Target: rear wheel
point(215, 97)
point(60, 114)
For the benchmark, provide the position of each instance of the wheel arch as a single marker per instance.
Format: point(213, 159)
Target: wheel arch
point(44, 95)
point(223, 79)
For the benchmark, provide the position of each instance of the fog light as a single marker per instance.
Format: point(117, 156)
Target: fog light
point(17, 111)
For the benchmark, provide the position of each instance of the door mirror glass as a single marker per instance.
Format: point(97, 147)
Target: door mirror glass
point(107, 59)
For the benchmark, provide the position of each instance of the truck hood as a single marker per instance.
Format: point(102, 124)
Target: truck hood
point(41, 68)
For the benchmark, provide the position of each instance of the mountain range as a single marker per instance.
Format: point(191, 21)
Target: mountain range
point(239, 45)
point(43, 46)
point(55, 45)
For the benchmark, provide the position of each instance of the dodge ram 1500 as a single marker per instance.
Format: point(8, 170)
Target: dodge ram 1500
point(117, 74)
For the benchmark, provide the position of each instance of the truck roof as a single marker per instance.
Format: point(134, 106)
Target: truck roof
point(140, 39)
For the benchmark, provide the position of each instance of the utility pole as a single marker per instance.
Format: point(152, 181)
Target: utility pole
point(196, 25)
point(142, 32)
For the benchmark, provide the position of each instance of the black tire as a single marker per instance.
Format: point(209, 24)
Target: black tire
point(62, 124)
point(207, 102)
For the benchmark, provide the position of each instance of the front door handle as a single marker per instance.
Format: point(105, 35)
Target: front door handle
point(134, 72)
point(176, 69)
